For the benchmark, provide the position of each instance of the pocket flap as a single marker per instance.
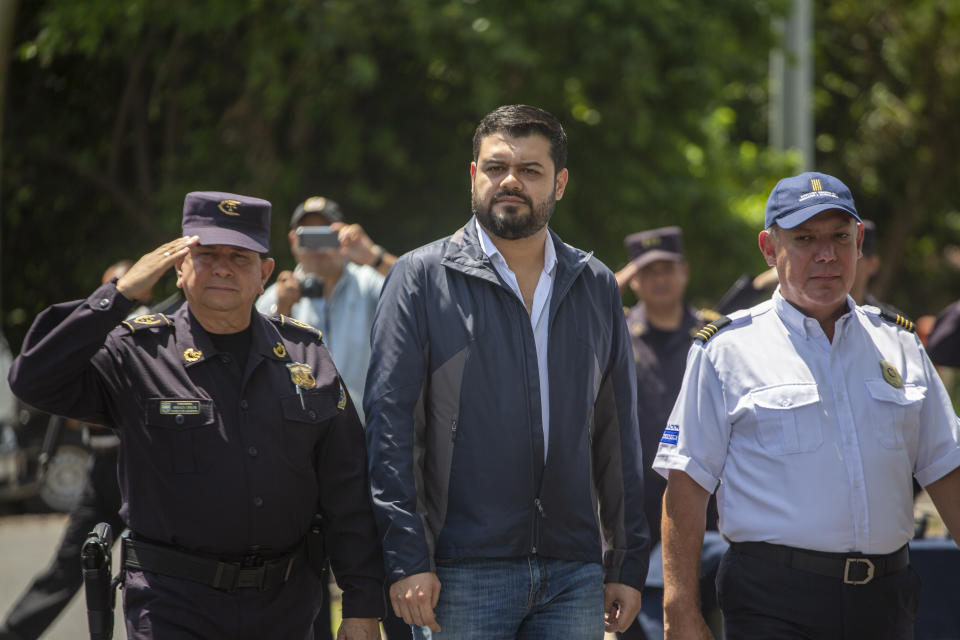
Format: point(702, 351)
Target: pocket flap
point(317, 406)
point(179, 413)
point(786, 396)
point(881, 390)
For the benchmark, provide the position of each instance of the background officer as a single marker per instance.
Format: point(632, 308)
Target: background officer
point(52, 589)
point(811, 414)
point(662, 326)
point(235, 431)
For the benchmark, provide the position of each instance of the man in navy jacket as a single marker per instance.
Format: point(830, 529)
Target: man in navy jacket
point(501, 404)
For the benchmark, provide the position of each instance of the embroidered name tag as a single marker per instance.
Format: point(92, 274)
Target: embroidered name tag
point(671, 434)
point(180, 407)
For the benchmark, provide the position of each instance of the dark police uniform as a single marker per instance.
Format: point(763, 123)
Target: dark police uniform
point(660, 356)
point(216, 462)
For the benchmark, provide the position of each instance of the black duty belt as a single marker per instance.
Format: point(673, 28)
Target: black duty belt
point(252, 572)
point(852, 568)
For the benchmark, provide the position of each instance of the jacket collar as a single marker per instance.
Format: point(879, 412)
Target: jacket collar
point(463, 253)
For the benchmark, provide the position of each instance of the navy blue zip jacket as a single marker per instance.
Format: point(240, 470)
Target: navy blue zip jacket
point(454, 433)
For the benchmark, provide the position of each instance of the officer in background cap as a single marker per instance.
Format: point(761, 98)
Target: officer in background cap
point(235, 431)
point(662, 326)
point(811, 414)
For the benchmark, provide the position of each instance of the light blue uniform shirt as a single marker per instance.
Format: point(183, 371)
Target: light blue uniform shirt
point(539, 313)
point(811, 444)
point(345, 320)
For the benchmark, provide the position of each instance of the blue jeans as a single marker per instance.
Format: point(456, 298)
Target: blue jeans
point(531, 598)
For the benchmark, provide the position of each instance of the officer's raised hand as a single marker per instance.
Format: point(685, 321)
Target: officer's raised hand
point(142, 276)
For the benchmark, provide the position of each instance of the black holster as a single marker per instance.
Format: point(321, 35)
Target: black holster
point(95, 558)
point(316, 548)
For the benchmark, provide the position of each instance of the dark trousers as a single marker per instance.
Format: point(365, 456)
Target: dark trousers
point(52, 590)
point(760, 599)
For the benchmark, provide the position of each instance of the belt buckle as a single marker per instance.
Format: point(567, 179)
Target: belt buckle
point(871, 568)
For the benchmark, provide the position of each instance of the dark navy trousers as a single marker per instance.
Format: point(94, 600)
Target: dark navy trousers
point(760, 599)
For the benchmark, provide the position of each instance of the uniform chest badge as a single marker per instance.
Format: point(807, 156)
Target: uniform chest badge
point(891, 375)
point(280, 351)
point(192, 355)
point(301, 375)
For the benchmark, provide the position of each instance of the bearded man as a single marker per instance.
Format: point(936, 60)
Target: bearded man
point(501, 408)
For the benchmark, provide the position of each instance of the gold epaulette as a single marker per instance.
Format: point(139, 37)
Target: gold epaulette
point(899, 320)
point(710, 329)
point(147, 321)
point(287, 321)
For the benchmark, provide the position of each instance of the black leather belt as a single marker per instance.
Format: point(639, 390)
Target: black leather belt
point(852, 568)
point(253, 572)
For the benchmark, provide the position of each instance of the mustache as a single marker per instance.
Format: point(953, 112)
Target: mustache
point(512, 194)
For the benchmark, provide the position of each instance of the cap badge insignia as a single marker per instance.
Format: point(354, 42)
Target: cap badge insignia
point(342, 400)
point(280, 351)
point(301, 375)
point(316, 203)
point(229, 207)
point(192, 355)
point(652, 241)
point(815, 184)
point(891, 375)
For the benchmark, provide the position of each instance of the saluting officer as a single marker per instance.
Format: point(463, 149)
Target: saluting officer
point(235, 430)
point(811, 414)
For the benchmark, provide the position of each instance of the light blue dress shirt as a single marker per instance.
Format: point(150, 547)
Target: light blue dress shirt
point(812, 444)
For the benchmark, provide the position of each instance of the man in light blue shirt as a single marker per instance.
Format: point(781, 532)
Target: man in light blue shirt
point(808, 415)
point(335, 290)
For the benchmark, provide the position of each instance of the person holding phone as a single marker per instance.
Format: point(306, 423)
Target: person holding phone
point(334, 286)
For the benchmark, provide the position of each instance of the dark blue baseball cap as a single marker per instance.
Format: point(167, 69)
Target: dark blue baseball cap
point(797, 199)
point(227, 218)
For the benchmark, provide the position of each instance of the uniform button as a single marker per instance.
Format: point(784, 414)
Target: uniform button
point(243, 404)
point(312, 414)
point(179, 419)
point(104, 303)
point(258, 501)
point(253, 452)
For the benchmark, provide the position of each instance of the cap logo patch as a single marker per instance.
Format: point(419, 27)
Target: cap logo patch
point(229, 207)
point(816, 189)
point(316, 203)
point(652, 241)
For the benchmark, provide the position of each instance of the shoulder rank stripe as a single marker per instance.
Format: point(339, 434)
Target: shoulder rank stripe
point(899, 320)
point(287, 321)
point(146, 321)
point(710, 329)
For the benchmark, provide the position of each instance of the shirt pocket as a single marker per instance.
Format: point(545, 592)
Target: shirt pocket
point(892, 412)
point(305, 423)
point(788, 418)
point(181, 429)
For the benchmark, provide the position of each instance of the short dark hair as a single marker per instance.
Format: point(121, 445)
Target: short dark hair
point(520, 120)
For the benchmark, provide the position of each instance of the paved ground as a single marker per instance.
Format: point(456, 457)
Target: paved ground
point(27, 543)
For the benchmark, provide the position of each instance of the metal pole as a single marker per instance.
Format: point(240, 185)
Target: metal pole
point(791, 83)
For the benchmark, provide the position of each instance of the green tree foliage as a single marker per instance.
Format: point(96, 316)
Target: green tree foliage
point(119, 107)
point(888, 91)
